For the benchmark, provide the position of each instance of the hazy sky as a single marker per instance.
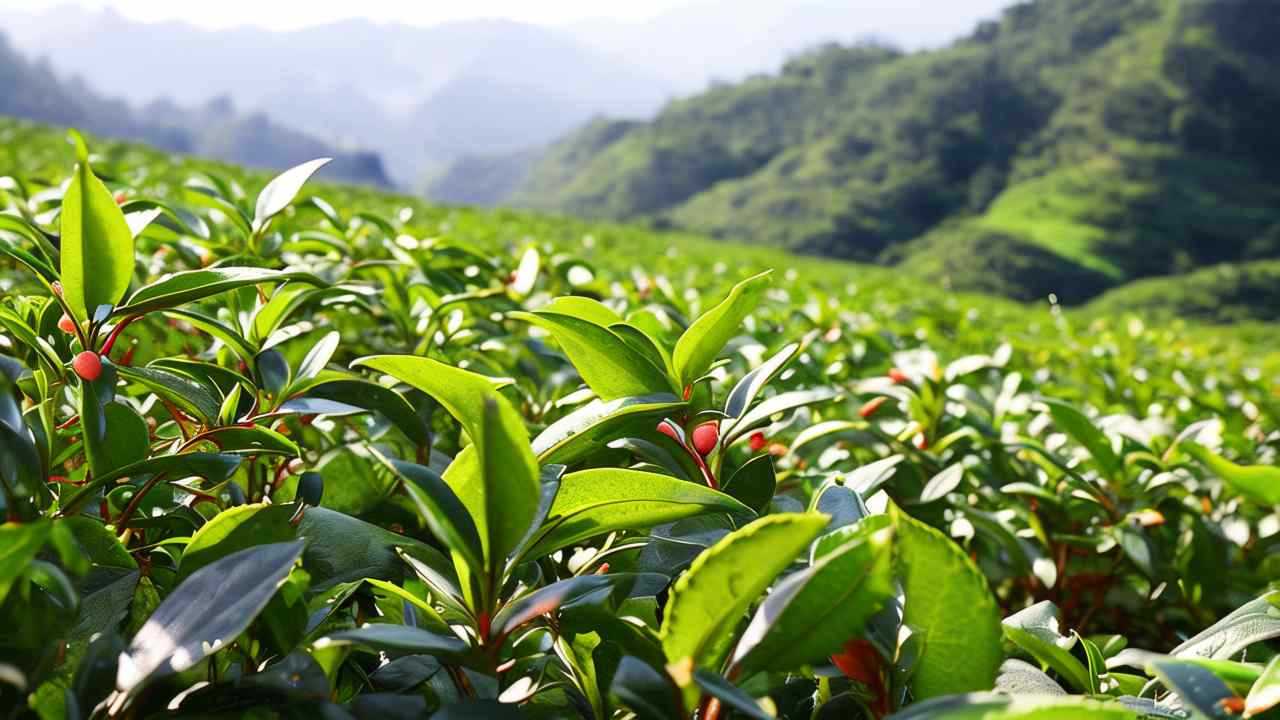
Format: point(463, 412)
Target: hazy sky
point(289, 14)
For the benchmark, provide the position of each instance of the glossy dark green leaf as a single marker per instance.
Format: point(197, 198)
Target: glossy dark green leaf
point(592, 427)
point(647, 692)
point(401, 639)
point(189, 286)
point(236, 529)
point(186, 393)
point(206, 612)
point(754, 483)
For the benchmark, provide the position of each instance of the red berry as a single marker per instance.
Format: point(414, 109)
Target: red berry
point(757, 441)
point(705, 437)
point(871, 407)
point(87, 365)
point(66, 324)
point(922, 442)
point(898, 376)
point(121, 197)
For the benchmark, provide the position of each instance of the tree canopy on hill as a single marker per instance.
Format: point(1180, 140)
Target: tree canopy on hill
point(1126, 138)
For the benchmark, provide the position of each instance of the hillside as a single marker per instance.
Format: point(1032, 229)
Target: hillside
point(33, 91)
point(1104, 140)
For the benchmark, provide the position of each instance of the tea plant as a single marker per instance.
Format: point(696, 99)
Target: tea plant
point(268, 455)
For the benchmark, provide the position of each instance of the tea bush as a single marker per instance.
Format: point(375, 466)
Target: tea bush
point(280, 453)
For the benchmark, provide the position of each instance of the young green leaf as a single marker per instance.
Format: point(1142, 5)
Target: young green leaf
point(949, 608)
point(814, 612)
point(1258, 482)
point(97, 245)
point(590, 503)
point(708, 601)
point(702, 342)
point(189, 286)
point(496, 477)
point(281, 191)
point(593, 426)
point(609, 366)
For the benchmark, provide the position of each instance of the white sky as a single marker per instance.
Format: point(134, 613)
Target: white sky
point(289, 14)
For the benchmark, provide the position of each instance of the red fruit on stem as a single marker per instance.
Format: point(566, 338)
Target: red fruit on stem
point(705, 437)
point(757, 441)
point(66, 324)
point(121, 197)
point(922, 442)
point(871, 407)
point(87, 365)
point(898, 377)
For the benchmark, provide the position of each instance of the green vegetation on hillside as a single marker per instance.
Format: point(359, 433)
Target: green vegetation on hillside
point(1106, 139)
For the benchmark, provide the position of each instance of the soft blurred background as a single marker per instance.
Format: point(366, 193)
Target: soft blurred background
point(1019, 148)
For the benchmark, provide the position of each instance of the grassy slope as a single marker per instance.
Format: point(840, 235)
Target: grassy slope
point(1115, 135)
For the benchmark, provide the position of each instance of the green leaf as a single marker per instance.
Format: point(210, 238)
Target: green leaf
point(709, 600)
point(400, 639)
point(443, 512)
point(1255, 621)
point(342, 549)
point(647, 692)
point(754, 382)
point(496, 477)
point(187, 393)
point(236, 529)
point(989, 706)
point(1035, 631)
point(189, 286)
point(729, 695)
point(255, 440)
point(206, 612)
point(97, 245)
point(373, 397)
point(281, 191)
point(607, 364)
point(754, 483)
point(942, 484)
point(814, 612)
point(1257, 482)
point(19, 544)
point(214, 467)
point(950, 610)
point(590, 503)
point(1265, 693)
point(1085, 432)
point(702, 342)
point(593, 426)
point(1198, 688)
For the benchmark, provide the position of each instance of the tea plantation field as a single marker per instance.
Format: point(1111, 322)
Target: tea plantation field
point(276, 448)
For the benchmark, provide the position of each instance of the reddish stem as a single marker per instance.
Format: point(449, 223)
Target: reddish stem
point(115, 333)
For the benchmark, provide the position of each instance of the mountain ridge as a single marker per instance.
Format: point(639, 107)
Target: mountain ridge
point(1097, 131)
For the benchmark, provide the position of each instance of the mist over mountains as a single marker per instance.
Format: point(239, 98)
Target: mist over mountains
point(424, 97)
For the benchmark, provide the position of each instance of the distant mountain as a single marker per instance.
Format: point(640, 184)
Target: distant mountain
point(1068, 146)
point(33, 91)
point(421, 97)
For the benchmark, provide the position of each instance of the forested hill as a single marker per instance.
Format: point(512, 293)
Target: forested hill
point(1067, 146)
point(33, 91)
